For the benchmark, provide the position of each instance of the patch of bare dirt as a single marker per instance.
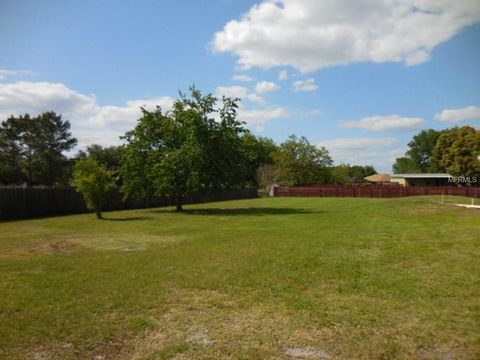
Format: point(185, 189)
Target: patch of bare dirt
point(54, 246)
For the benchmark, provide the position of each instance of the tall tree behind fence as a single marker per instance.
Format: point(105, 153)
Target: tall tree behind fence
point(36, 202)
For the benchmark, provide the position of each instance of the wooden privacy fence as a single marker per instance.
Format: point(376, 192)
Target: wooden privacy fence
point(374, 191)
point(18, 203)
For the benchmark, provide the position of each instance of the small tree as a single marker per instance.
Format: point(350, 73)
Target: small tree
point(93, 182)
point(266, 176)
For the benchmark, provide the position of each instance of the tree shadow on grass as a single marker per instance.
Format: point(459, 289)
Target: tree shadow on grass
point(252, 211)
point(133, 218)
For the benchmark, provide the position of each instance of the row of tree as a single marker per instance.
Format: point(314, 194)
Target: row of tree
point(199, 146)
point(455, 151)
point(32, 149)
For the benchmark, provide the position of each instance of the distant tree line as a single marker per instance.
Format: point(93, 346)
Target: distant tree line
point(198, 147)
point(32, 149)
point(455, 151)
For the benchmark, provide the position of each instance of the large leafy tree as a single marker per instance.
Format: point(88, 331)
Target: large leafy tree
point(195, 148)
point(419, 156)
point(11, 152)
point(299, 163)
point(31, 149)
point(53, 138)
point(458, 151)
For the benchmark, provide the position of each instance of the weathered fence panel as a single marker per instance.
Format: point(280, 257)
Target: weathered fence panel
point(373, 191)
point(16, 203)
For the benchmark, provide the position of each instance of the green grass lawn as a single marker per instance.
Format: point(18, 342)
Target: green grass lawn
point(251, 279)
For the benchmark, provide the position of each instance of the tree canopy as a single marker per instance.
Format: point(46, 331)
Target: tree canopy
point(454, 150)
point(419, 156)
point(93, 182)
point(458, 151)
point(32, 149)
point(197, 147)
point(346, 173)
point(110, 157)
point(298, 162)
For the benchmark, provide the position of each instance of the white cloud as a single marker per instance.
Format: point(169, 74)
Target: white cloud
point(232, 91)
point(94, 123)
point(305, 85)
point(384, 123)
point(266, 86)
point(255, 98)
point(379, 152)
point(283, 75)
point(356, 143)
point(238, 92)
point(91, 123)
point(458, 115)
point(37, 97)
point(260, 117)
point(312, 34)
point(4, 73)
point(242, 77)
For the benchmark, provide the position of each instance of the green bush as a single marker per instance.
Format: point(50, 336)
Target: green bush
point(93, 182)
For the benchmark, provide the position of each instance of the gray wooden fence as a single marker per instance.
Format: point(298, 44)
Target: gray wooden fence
point(16, 203)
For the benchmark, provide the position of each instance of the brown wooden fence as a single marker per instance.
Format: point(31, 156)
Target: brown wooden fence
point(374, 191)
point(17, 203)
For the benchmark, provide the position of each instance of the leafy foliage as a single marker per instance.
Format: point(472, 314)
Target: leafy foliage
point(298, 162)
point(419, 156)
point(110, 157)
point(93, 182)
point(258, 152)
point(458, 151)
point(406, 165)
point(185, 151)
point(31, 149)
point(346, 173)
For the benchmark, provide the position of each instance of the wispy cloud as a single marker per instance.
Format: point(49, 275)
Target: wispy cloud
point(4, 73)
point(259, 117)
point(379, 152)
point(384, 123)
point(283, 75)
point(266, 86)
point(242, 77)
point(305, 85)
point(459, 115)
point(240, 92)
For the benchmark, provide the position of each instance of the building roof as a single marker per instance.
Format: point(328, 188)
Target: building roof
point(422, 176)
point(378, 178)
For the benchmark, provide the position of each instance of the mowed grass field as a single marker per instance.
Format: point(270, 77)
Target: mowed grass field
point(334, 278)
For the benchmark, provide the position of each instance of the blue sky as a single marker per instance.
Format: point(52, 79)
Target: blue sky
point(359, 77)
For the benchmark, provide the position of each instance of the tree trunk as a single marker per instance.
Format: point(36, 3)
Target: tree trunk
point(179, 204)
point(98, 212)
